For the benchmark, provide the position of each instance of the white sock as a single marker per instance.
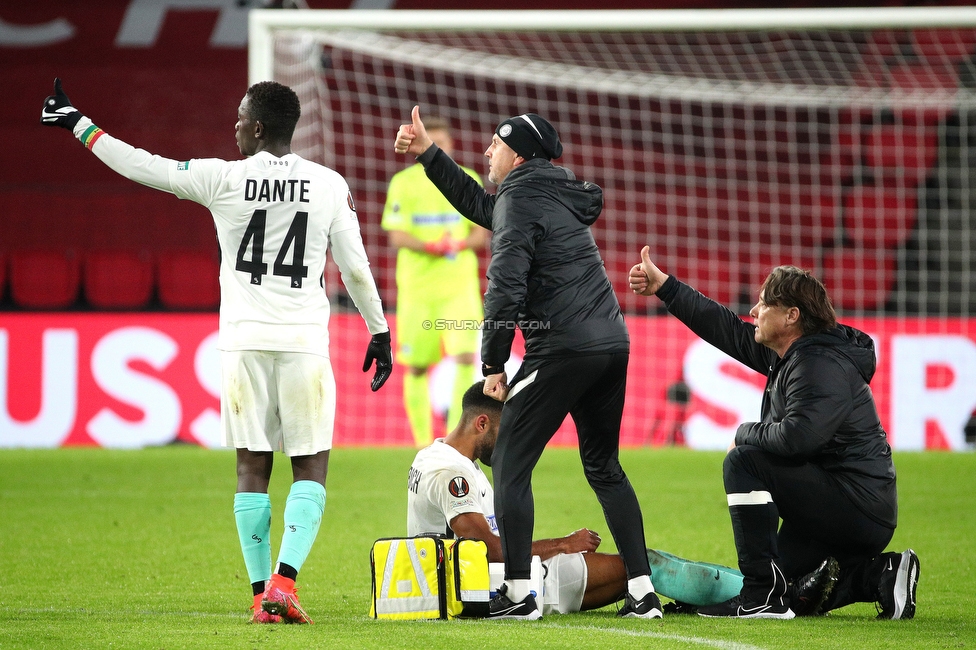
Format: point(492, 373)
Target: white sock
point(517, 590)
point(639, 587)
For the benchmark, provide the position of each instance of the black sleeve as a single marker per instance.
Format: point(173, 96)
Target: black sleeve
point(512, 251)
point(716, 324)
point(818, 401)
point(464, 193)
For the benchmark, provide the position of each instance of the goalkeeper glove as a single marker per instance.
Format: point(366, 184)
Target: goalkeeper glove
point(58, 111)
point(437, 248)
point(379, 350)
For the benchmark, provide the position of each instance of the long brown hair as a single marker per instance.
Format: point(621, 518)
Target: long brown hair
point(789, 286)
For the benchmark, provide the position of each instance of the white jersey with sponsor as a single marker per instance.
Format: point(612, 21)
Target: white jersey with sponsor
point(442, 484)
point(276, 218)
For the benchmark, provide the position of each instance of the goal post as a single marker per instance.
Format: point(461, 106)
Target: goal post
point(264, 23)
point(729, 141)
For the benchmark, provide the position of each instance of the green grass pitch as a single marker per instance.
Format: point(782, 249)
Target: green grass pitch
point(138, 549)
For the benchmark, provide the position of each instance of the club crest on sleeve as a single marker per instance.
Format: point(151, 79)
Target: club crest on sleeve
point(458, 487)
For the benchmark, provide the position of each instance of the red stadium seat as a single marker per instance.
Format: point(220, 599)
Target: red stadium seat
point(910, 76)
point(711, 269)
point(883, 43)
point(916, 76)
point(859, 279)
point(757, 267)
point(930, 116)
point(382, 265)
point(954, 44)
point(689, 214)
point(901, 152)
point(876, 216)
point(788, 217)
point(3, 275)
point(841, 161)
point(44, 279)
point(872, 73)
point(118, 279)
point(188, 280)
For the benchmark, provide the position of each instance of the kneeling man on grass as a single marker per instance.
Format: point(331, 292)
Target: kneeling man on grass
point(818, 459)
point(449, 494)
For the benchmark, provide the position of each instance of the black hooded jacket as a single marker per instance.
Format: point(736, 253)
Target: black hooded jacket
point(546, 273)
point(817, 406)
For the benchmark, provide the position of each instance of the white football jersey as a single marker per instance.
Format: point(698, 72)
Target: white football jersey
point(442, 484)
point(276, 219)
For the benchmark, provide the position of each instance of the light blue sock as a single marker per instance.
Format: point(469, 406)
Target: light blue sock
point(252, 511)
point(695, 583)
point(303, 515)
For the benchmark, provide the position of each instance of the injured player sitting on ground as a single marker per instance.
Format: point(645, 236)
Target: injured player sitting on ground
point(449, 494)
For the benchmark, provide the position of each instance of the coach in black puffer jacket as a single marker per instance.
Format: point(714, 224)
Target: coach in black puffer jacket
point(817, 406)
point(546, 272)
point(547, 276)
point(818, 459)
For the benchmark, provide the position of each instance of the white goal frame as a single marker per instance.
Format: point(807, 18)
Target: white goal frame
point(263, 23)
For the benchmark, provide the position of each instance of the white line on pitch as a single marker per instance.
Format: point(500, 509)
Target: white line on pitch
point(696, 640)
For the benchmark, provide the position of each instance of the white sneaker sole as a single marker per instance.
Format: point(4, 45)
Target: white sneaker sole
point(783, 616)
point(654, 613)
point(906, 580)
point(534, 616)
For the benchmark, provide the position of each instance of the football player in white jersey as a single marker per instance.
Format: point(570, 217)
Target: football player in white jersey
point(448, 494)
point(276, 216)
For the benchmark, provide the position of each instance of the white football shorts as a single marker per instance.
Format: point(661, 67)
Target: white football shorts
point(277, 401)
point(565, 582)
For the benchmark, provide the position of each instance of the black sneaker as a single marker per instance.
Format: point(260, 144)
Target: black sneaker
point(678, 607)
point(736, 608)
point(647, 607)
point(809, 593)
point(896, 590)
point(501, 607)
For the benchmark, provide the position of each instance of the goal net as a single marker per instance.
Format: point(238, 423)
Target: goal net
point(728, 141)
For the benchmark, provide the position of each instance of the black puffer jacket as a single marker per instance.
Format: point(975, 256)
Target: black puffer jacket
point(546, 273)
point(817, 406)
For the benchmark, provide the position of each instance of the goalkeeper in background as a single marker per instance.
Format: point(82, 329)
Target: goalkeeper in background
point(438, 287)
point(276, 216)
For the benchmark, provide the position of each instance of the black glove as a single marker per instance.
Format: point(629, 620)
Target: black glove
point(380, 351)
point(58, 111)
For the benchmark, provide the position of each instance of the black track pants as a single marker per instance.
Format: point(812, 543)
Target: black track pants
point(818, 520)
point(590, 389)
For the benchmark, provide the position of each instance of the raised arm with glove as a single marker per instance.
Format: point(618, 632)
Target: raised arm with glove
point(58, 111)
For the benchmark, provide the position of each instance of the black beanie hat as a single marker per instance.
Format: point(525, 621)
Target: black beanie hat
point(530, 136)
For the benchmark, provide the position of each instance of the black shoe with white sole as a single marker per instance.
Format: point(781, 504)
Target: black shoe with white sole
point(502, 607)
point(896, 590)
point(647, 607)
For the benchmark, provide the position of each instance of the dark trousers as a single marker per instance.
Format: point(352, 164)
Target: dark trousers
point(819, 520)
point(591, 389)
